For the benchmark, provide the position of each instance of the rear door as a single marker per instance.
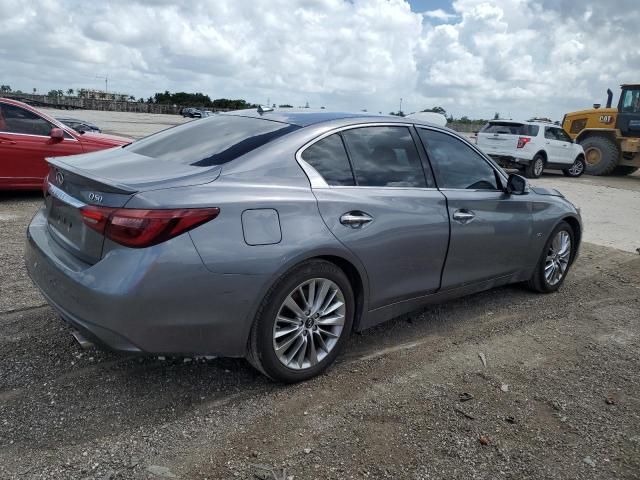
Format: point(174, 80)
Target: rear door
point(553, 146)
point(499, 138)
point(380, 204)
point(490, 230)
point(24, 144)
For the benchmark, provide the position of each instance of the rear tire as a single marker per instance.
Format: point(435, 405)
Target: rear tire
point(555, 258)
point(601, 154)
point(535, 168)
point(292, 344)
point(622, 170)
point(577, 169)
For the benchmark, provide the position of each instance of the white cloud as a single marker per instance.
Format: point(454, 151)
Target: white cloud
point(439, 14)
point(518, 57)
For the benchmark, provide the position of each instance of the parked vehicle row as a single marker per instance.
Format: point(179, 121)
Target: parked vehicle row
point(80, 126)
point(273, 235)
point(27, 136)
point(532, 146)
point(195, 113)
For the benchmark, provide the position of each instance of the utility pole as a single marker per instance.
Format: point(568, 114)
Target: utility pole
point(400, 111)
point(106, 82)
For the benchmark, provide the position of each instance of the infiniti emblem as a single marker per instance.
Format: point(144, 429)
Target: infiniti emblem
point(59, 177)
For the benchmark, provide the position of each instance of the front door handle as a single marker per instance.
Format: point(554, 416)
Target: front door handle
point(6, 141)
point(355, 219)
point(463, 216)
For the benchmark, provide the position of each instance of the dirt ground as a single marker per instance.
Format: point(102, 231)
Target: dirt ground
point(559, 396)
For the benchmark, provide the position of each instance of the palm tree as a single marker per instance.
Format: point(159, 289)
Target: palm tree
point(70, 92)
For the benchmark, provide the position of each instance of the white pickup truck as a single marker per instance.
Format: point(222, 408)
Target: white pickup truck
point(531, 146)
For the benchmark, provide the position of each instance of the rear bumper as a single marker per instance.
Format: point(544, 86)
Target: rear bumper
point(160, 299)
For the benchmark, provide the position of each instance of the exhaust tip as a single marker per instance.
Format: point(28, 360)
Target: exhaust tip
point(84, 343)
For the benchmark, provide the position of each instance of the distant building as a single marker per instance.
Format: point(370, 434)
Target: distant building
point(102, 95)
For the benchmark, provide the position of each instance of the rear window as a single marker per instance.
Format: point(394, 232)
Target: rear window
point(211, 141)
point(511, 128)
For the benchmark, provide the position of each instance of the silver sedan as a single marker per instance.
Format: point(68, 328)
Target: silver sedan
point(272, 235)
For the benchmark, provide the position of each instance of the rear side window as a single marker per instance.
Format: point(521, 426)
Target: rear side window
point(18, 120)
point(384, 157)
point(455, 164)
point(511, 128)
point(212, 141)
point(329, 158)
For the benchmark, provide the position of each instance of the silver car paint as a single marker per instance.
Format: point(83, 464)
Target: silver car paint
point(198, 293)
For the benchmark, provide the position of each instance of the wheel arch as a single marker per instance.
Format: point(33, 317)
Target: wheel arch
point(350, 266)
point(356, 281)
point(543, 154)
point(574, 223)
point(591, 132)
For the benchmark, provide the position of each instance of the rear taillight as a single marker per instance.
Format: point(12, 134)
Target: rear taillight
point(522, 141)
point(137, 228)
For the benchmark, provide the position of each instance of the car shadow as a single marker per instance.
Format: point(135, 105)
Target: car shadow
point(94, 393)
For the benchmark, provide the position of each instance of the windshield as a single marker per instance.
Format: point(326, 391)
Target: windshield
point(511, 128)
point(211, 141)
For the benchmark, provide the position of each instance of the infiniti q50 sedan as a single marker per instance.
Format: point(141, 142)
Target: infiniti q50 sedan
point(274, 235)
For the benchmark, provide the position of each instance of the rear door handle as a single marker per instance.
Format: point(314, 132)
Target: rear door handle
point(6, 141)
point(355, 219)
point(463, 216)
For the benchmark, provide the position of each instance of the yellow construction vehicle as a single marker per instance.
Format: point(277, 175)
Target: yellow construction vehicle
point(610, 136)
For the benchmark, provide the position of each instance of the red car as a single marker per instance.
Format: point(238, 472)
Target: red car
point(28, 136)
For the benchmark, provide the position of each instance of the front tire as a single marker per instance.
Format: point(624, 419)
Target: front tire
point(556, 258)
point(303, 322)
point(535, 167)
point(601, 155)
point(576, 169)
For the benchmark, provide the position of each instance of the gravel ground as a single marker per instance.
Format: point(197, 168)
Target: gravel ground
point(413, 398)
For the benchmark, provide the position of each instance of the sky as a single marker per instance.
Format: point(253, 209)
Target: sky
point(520, 58)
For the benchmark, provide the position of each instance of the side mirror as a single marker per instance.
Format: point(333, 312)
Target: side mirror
point(56, 134)
point(517, 185)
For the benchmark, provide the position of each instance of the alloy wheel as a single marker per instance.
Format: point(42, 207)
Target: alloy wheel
point(558, 257)
point(309, 323)
point(538, 167)
point(577, 168)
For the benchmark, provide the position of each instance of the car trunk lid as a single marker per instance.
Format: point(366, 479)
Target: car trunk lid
point(110, 179)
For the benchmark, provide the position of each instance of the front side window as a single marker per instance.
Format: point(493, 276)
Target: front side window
point(213, 141)
point(384, 157)
point(18, 120)
point(455, 164)
point(329, 158)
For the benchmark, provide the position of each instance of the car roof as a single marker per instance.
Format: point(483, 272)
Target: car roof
point(525, 122)
point(304, 117)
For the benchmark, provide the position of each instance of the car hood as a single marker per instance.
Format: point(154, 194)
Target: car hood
point(546, 191)
point(103, 139)
point(131, 172)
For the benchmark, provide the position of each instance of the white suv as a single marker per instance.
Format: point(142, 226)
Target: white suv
point(531, 146)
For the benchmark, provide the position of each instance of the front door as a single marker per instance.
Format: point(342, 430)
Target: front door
point(381, 205)
point(25, 142)
point(490, 231)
